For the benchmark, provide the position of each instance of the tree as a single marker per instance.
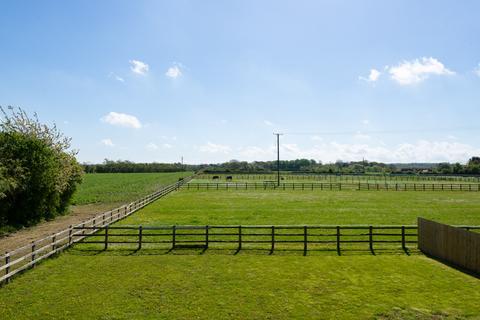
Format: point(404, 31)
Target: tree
point(38, 171)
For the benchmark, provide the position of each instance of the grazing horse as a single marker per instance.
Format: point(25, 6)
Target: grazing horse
point(215, 177)
point(229, 178)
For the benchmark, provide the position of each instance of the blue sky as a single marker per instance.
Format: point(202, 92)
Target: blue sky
point(394, 81)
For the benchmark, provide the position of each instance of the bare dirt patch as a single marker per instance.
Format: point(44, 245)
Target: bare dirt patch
point(77, 215)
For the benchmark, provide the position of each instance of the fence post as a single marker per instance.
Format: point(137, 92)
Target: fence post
point(239, 237)
point(140, 236)
point(273, 239)
point(7, 269)
point(338, 240)
point(70, 234)
point(33, 253)
point(53, 242)
point(106, 238)
point(370, 237)
point(403, 238)
point(174, 234)
point(305, 240)
point(206, 236)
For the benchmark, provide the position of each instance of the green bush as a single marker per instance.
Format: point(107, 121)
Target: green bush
point(38, 175)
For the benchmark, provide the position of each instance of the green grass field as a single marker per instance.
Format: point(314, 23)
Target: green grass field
point(121, 187)
point(85, 283)
point(309, 207)
point(136, 286)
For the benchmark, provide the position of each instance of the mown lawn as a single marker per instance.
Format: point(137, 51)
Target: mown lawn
point(121, 187)
point(110, 285)
point(310, 207)
point(121, 283)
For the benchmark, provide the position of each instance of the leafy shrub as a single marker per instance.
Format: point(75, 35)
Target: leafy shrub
point(38, 173)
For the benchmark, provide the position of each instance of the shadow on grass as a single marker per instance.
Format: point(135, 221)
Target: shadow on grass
point(196, 251)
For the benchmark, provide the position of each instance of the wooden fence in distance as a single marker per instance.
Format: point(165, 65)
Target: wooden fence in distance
point(343, 177)
point(331, 186)
point(457, 246)
point(29, 255)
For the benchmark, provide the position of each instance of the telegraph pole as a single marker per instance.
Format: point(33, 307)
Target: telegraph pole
point(278, 157)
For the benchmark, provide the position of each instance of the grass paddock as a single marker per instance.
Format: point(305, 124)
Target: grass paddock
point(113, 285)
point(87, 283)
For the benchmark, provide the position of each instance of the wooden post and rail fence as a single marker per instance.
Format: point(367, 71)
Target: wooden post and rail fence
point(29, 255)
point(265, 185)
point(289, 237)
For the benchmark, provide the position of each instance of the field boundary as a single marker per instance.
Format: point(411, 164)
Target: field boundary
point(448, 243)
point(29, 255)
point(202, 236)
point(342, 177)
point(331, 186)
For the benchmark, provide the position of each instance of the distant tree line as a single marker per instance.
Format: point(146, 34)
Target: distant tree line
point(299, 165)
point(121, 166)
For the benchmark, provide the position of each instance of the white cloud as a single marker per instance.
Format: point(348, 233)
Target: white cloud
point(365, 122)
point(139, 67)
point(418, 70)
point(268, 123)
point(167, 146)
point(107, 142)
point(420, 151)
point(151, 146)
point(214, 148)
point(317, 138)
point(174, 72)
point(372, 77)
point(122, 120)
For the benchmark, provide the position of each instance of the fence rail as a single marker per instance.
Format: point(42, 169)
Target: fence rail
point(29, 255)
point(331, 186)
point(343, 177)
point(308, 237)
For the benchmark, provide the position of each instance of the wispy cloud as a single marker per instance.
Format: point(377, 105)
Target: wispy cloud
point(268, 123)
point(167, 146)
point(210, 147)
point(116, 77)
point(139, 67)
point(361, 136)
point(418, 70)
point(477, 70)
point(372, 77)
point(174, 71)
point(122, 120)
point(107, 142)
point(151, 146)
